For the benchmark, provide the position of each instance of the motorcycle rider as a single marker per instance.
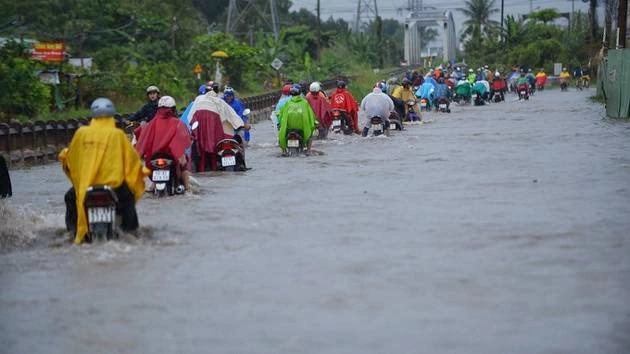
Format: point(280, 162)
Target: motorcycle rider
point(212, 112)
point(541, 79)
point(341, 98)
point(147, 111)
point(425, 91)
point(577, 75)
point(405, 93)
point(522, 83)
point(5, 180)
point(441, 92)
point(564, 78)
point(376, 104)
point(100, 153)
point(166, 133)
point(531, 80)
point(238, 106)
point(296, 113)
point(498, 85)
point(317, 99)
point(471, 76)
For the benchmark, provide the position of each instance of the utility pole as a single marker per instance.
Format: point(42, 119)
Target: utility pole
point(572, 14)
point(502, 6)
point(622, 23)
point(319, 29)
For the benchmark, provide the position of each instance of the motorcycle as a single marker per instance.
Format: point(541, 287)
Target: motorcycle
point(412, 116)
point(164, 175)
point(395, 122)
point(478, 99)
point(377, 125)
point(497, 96)
point(523, 92)
point(341, 122)
point(564, 86)
point(100, 208)
point(230, 156)
point(294, 142)
point(442, 105)
point(424, 104)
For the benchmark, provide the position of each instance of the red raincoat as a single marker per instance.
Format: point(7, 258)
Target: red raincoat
point(342, 99)
point(207, 135)
point(164, 133)
point(321, 107)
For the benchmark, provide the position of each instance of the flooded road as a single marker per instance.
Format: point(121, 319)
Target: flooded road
point(495, 229)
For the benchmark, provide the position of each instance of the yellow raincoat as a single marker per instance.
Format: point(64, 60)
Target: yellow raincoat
point(101, 154)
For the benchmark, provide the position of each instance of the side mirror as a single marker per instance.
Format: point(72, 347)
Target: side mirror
point(194, 125)
point(247, 111)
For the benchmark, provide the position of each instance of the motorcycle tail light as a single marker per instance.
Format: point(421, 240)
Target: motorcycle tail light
point(99, 199)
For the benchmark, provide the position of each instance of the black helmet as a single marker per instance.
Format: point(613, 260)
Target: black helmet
point(341, 84)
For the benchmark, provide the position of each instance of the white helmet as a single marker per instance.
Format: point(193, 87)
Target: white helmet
point(166, 101)
point(315, 87)
point(153, 88)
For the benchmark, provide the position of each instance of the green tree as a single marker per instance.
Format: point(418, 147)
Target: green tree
point(27, 95)
point(478, 20)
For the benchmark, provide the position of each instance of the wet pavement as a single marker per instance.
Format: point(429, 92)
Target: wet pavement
point(495, 229)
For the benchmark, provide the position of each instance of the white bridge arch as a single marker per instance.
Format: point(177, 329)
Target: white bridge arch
point(429, 18)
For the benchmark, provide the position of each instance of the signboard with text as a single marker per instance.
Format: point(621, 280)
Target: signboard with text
point(48, 51)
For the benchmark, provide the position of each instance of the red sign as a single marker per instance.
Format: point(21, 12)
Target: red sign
point(51, 51)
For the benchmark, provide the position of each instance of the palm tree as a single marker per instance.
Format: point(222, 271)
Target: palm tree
point(478, 13)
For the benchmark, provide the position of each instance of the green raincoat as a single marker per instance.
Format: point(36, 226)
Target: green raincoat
point(296, 114)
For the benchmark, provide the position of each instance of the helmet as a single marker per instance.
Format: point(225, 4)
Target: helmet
point(166, 101)
point(102, 107)
point(295, 90)
point(286, 89)
point(152, 88)
point(341, 83)
point(470, 70)
point(497, 73)
point(315, 87)
point(202, 89)
point(228, 91)
point(406, 81)
point(529, 70)
point(382, 85)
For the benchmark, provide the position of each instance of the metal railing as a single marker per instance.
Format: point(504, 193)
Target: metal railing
point(40, 142)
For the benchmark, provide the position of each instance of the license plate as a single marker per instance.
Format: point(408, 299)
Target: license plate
point(442, 105)
point(337, 123)
point(228, 161)
point(100, 214)
point(423, 104)
point(523, 93)
point(161, 175)
point(392, 126)
point(315, 133)
point(293, 143)
point(377, 127)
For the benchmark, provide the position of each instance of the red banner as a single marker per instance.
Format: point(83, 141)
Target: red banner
point(51, 51)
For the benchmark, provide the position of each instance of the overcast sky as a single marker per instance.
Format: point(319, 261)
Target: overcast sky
point(347, 9)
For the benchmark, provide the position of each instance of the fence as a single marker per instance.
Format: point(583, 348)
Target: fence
point(40, 142)
point(614, 83)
